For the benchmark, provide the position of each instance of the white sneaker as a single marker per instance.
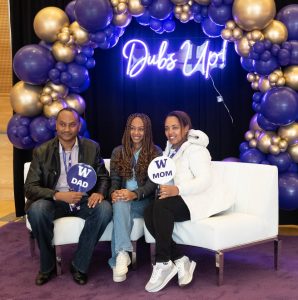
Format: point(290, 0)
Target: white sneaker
point(185, 268)
point(117, 278)
point(122, 263)
point(162, 273)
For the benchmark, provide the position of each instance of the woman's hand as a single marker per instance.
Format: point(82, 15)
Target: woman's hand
point(166, 191)
point(123, 195)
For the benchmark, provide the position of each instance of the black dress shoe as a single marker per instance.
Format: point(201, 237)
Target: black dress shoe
point(78, 277)
point(43, 278)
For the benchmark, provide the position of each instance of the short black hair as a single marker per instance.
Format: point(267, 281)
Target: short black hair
point(70, 109)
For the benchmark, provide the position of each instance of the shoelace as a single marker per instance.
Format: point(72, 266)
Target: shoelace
point(155, 274)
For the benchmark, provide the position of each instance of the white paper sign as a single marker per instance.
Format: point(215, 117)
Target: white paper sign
point(161, 170)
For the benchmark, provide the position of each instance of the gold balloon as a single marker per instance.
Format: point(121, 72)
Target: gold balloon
point(291, 77)
point(264, 84)
point(293, 151)
point(249, 135)
point(256, 35)
point(253, 143)
point(289, 132)
point(283, 145)
point(46, 99)
point(54, 95)
point(178, 9)
point(274, 149)
point(77, 102)
point(64, 37)
point(276, 32)
point(184, 17)
point(122, 20)
point(237, 33)
point(253, 124)
point(253, 14)
point(264, 141)
point(63, 52)
point(48, 22)
point(226, 34)
point(255, 85)
point(46, 90)
point(81, 36)
point(275, 140)
point(230, 25)
point(257, 134)
point(61, 89)
point(281, 81)
point(273, 77)
point(24, 99)
point(242, 47)
point(121, 8)
point(203, 2)
point(52, 109)
point(135, 8)
point(250, 77)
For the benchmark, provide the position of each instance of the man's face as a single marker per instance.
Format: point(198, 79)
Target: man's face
point(67, 126)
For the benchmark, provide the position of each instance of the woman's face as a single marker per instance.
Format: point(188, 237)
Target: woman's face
point(137, 131)
point(174, 132)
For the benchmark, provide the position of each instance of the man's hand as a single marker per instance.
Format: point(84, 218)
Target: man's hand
point(69, 197)
point(94, 199)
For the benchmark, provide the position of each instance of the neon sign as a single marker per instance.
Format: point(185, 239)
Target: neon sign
point(190, 58)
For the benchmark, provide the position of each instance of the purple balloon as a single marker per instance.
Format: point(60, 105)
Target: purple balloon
point(289, 16)
point(144, 19)
point(282, 161)
point(161, 9)
point(40, 131)
point(252, 156)
point(18, 132)
point(79, 75)
point(265, 67)
point(155, 24)
point(169, 25)
point(288, 191)
point(293, 168)
point(220, 14)
point(265, 124)
point(32, 64)
point(247, 64)
point(294, 53)
point(93, 15)
point(244, 146)
point(210, 28)
point(81, 88)
point(280, 105)
point(69, 9)
point(284, 57)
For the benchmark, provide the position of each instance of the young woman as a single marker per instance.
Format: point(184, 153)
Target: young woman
point(131, 189)
point(179, 201)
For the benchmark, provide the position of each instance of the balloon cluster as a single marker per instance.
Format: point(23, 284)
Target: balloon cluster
point(54, 72)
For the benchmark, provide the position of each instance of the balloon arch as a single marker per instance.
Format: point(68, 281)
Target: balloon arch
point(54, 72)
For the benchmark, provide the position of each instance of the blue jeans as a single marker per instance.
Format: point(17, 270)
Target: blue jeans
point(123, 214)
point(41, 215)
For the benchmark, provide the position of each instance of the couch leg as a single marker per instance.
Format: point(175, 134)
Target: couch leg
point(152, 253)
point(277, 250)
point(219, 262)
point(134, 255)
point(31, 244)
point(58, 250)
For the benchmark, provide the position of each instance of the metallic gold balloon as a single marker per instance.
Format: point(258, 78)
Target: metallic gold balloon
point(291, 77)
point(257, 35)
point(45, 99)
point(61, 89)
point(255, 85)
point(81, 36)
point(253, 14)
point(274, 149)
point(184, 17)
point(77, 102)
point(178, 9)
point(283, 145)
point(237, 33)
point(253, 124)
point(242, 47)
point(48, 22)
point(135, 8)
point(203, 2)
point(54, 95)
point(63, 52)
point(276, 32)
point(264, 84)
point(114, 2)
point(289, 132)
point(122, 20)
point(53, 109)
point(24, 99)
point(275, 140)
point(121, 8)
point(226, 34)
point(293, 151)
point(253, 143)
point(249, 135)
point(257, 134)
point(273, 77)
point(264, 141)
point(230, 25)
point(46, 90)
point(250, 77)
point(281, 81)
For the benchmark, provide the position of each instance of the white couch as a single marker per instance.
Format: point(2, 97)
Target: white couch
point(67, 230)
point(252, 219)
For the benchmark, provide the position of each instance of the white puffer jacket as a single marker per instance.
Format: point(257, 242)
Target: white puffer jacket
point(194, 179)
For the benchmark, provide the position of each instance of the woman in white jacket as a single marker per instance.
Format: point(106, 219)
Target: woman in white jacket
point(178, 200)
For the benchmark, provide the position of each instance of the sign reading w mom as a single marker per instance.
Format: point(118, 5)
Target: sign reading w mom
point(161, 170)
point(81, 177)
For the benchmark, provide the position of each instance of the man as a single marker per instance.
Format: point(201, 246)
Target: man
point(49, 196)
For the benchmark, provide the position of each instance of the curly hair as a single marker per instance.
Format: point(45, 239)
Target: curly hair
point(124, 160)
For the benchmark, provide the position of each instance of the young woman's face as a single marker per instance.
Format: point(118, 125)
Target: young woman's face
point(137, 131)
point(174, 132)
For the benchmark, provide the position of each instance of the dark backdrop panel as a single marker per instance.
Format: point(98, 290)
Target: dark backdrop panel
point(112, 96)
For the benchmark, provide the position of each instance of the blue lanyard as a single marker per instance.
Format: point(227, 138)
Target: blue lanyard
point(67, 165)
point(173, 153)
